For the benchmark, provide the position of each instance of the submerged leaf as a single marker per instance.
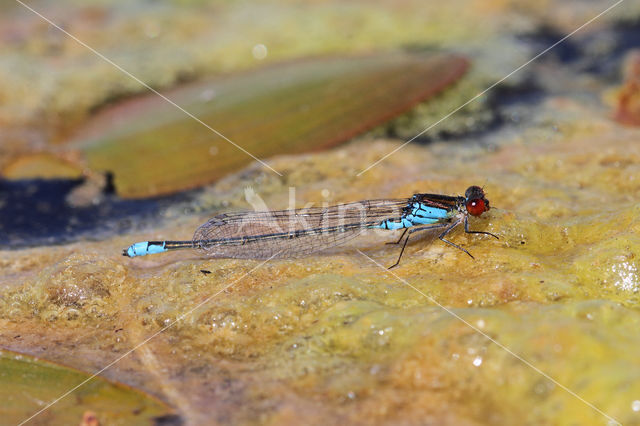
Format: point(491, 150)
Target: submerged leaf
point(153, 148)
point(28, 384)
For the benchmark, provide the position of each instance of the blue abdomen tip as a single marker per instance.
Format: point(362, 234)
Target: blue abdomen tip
point(144, 248)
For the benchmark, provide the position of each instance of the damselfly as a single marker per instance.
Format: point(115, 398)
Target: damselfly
point(300, 232)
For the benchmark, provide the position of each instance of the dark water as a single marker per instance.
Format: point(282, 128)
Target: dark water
point(598, 53)
point(34, 212)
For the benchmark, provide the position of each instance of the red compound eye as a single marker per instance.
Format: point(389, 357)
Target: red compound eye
point(476, 207)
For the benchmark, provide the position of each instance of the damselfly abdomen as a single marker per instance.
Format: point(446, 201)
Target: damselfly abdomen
point(301, 232)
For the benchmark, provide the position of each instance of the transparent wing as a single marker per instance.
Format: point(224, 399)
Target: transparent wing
point(291, 233)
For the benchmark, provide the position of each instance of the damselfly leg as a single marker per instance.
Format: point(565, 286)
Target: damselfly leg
point(449, 229)
point(411, 231)
point(399, 239)
point(466, 229)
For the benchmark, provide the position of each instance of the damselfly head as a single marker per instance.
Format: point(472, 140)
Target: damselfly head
point(475, 202)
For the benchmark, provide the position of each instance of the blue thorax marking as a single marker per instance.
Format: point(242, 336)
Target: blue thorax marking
point(424, 211)
point(418, 214)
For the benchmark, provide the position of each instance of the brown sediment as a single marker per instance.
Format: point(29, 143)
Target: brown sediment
point(628, 96)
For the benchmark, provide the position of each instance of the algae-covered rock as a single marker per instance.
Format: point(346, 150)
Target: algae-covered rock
point(540, 328)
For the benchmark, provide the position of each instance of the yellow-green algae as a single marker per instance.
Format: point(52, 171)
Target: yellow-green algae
point(337, 338)
point(27, 384)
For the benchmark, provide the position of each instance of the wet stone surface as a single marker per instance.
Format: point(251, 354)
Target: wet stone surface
point(335, 337)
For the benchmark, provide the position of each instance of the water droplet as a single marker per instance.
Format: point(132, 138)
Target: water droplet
point(207, 95)
point(628, 279)
point(635, 405)
point(259, 51)
point(477, 361)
